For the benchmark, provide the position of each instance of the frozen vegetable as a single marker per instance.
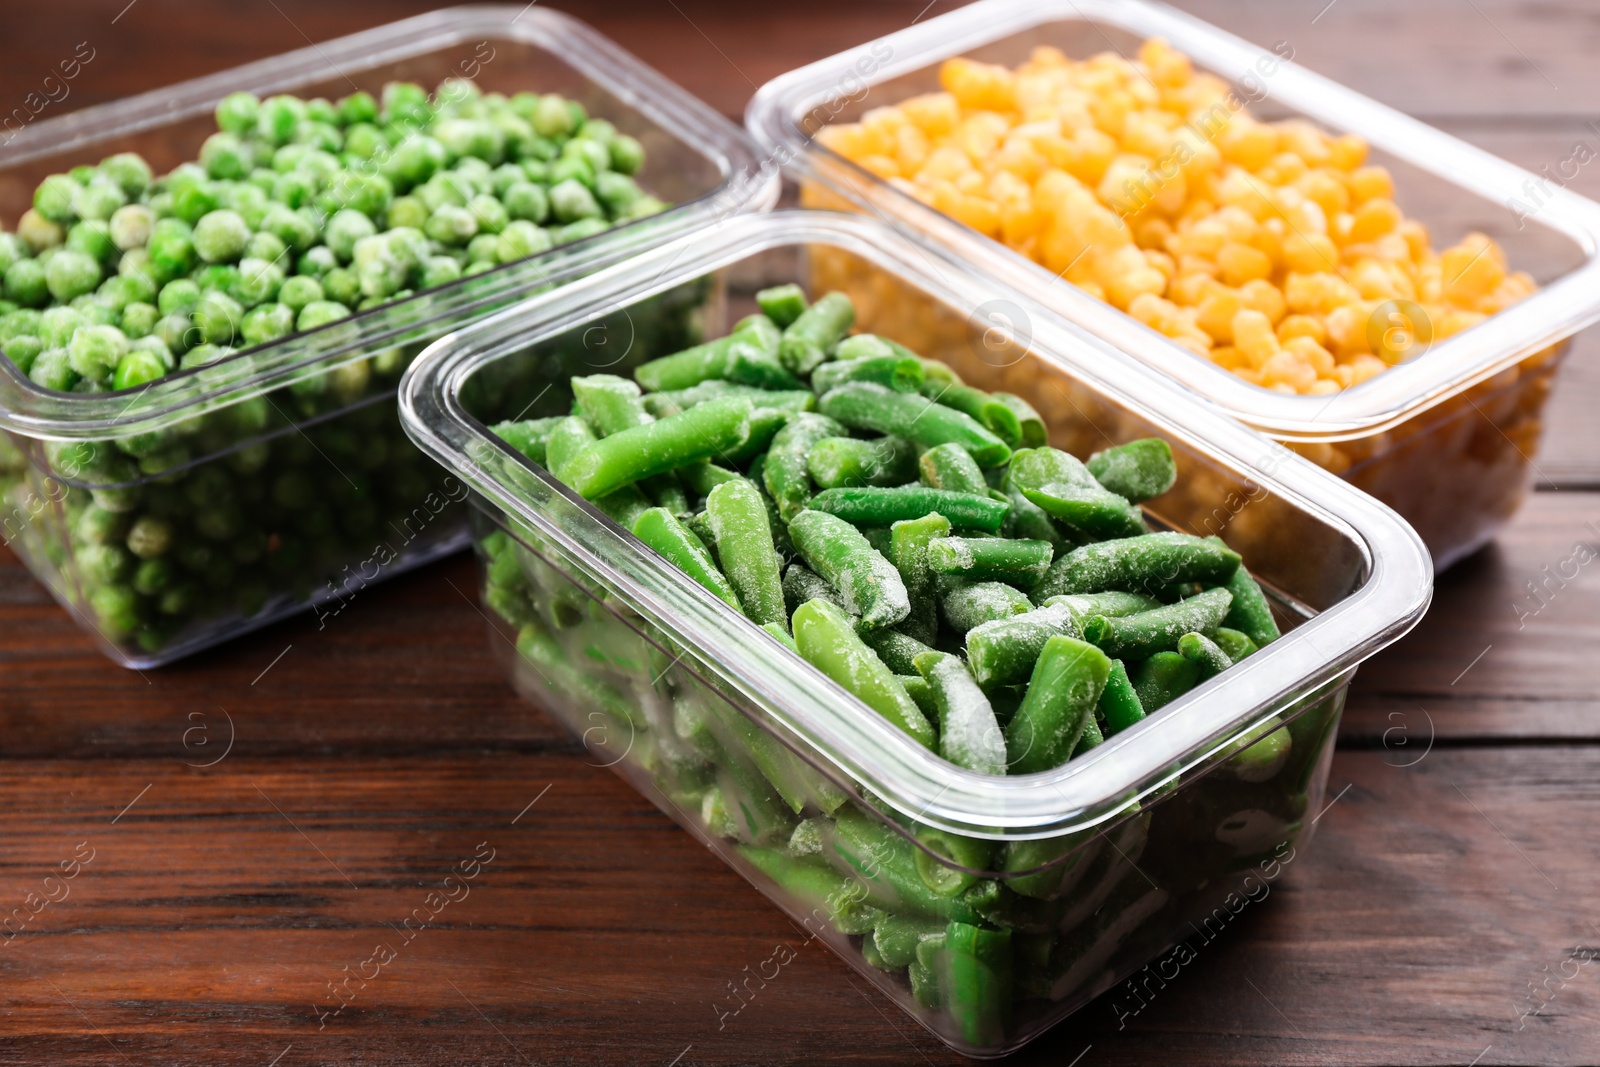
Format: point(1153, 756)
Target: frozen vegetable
point(1270, 248)
point(898, 529)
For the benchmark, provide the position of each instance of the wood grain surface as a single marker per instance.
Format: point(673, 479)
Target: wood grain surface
point(259, 818)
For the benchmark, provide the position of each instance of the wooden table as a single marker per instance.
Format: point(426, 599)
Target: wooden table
point(1457, 866)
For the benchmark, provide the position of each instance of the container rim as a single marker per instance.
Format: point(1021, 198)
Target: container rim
point(746, 183)
point(1082, 794)
point(774, 117)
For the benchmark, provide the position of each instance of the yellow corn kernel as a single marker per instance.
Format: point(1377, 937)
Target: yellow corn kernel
point(1305, 141)
point(1372, 281)
point(1347, 329)
point(1454, 320)
point(971, 183)
point(978, 213)
point(1288, 368)
point(945, 163)
point(1326, 190)
point(1263, 296)
point(1323, 387)
point(1152, 233)
point(979, 135)
point(1123, 288)
point(1189, 286)
point(1313, 354)
point(1285, 168)
point(1317, 292)
point(936, 114)
point(1347, 152)
point(847, 139)
point(1241, 263)
point(1368, 183)
point(1198, 343)
point(1373, 219)
point(978, 86)
point(910, 148)
point(1364, 367)
point(1152, 310)
point(1417, 239)
point(1094, 289)
point(1469, 273)
point(1301, 326)
point(1229, 358)
point(1166, 65)
point(1163, 263)
point(882, 166)
point(1248, 143)
point(1253, 336)
point(1217, 309)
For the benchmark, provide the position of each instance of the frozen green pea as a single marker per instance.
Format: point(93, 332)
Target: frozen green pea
point(295, 293)
point(138, 367)
point(217, 317)
point(522, 239)
point(320, 313)
point(27, 284)
point(96, 350)
point(226, 156)
point(53, 199)
point(220, 236)
point(451, 225)
point(237, 112)
point(439, 270)
point(131, 226)
point(71, 274)
point(571, 200)
point(344, 230)
point(268, 322)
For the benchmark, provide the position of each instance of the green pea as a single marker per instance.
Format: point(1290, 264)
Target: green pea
point(129, 171)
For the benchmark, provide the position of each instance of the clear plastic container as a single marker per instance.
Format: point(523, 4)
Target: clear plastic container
point(1099, 865)
point(1447, 438)
point(283, 469)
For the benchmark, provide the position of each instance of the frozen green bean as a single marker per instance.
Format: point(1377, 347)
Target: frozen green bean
point(808, 340)
point(1205, 652)
point(1004, 652)
point(873, 506)
point(1158, 630)
point(827, 640)
point(908, 551)
point(969, 736)
point(1119, 701)
point(964, 605)
point(1163, 678)
point(988, 411)
point(1062, 694)
point(1148, 563)
point(1250, 614)
point(898, 650)
point(676, 400)
point(998, 559)
point(705, 431)
point(869, 584)
point(658, 528)
point(951, 467)
point(837, 462)
point(867, 406)
point(893, 372)
point(1235, 644)
point(1137, 471)
point(786, 472)
point(801, 583)
point(782, 303)
point(738, 519)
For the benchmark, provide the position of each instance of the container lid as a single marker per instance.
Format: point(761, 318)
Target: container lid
point(1389, 596)
point(779, 115)
point(746, 183)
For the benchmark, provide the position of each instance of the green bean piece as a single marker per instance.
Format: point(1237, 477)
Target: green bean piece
point(1119, 701)
point(891, 371)
point(952, 468)
point(660, 529)
point(676, 400)
point(738, 519)
point(1114, 604)
point(827, 640)
point(624, 506)
point(924, 975)
point(918, 689)
point(1034, 467)
point(991, 559)
point(885, 864)
point(568, 437)
point(1261, 760)
point(1235, 644)
point(969, 736)
point(796, 782)
point(1034, 432)
point(989, 412)
point(1204, 651)
point(701, 478)
point(942, 856)
point(782, 303)
point(908, 551)
point(965, 605)
point(1148, 563)
point(866, 406)
point(744, 357)
point(764, 426)
point(896, 938)
point(526, 437)
point(808, 340)
point(1057, 863)
point(786, 472)
point(801, 583)
point(817, 887)
point(703, 432)
point(869, 346)
point(874, 506)
point(1158, 630)
point(1092, 737)
point(781, 635)
point(975, 981)
point(1027, 519)
point(610, 404)
point(1250, 614)
point(1163, 678)
point(898, 650)
point(1095, 512)
point(1003, 652)
point(836, 462)
point(1136, 471)
point(869, 584)
point(1062, 693)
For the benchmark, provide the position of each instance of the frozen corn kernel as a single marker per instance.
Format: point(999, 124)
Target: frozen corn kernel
point(1267, 246)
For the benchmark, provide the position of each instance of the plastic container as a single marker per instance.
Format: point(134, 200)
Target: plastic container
point(284, 468)
point(1446, 438)
point(1099, 865)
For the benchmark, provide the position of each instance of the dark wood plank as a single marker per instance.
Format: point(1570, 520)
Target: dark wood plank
point(207, 926)
point(1492, 659)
